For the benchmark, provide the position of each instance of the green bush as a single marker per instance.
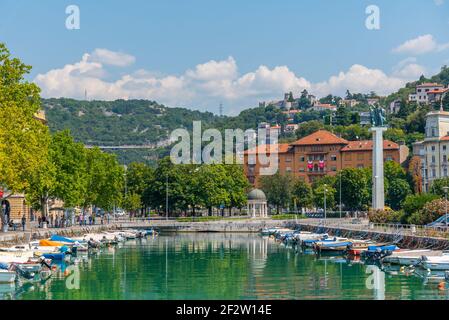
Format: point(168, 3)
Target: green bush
point(385, 216)
point(415, 202)
point(429, 213)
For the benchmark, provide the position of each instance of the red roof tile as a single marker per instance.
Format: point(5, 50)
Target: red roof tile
point(438, 90)
point(320, 137)
point(366, 145)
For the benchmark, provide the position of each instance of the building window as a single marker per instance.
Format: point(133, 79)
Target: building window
point(333, 168)
point(360, 166)
point(433, 159)
point(301, 169)
point(389, 158)
point(434, 173)
point(288, 159)
point(433, 147)
point(310, 158)
point(444, 148)
point(445, 172)
point(444, 158)
point(360, 156)
point(288, 169)
point(302, 159)
point(333, 157)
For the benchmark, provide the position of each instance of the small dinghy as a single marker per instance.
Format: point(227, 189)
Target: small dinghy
point(6, 275)
point(406, 257)
point(435, 262)
point(339, 245)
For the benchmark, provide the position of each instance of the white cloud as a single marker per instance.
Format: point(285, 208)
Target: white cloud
point(214, 82)
point(408, 69)
point(421, 45)
point(113, 58)
point(438, 2)
point(360, 79)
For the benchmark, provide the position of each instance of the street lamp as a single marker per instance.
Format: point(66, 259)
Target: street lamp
point(340, 194)
point(166, 197)
point(325, 214)
point(445, 193)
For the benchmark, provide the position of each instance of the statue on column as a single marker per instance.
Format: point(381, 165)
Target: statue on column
point(378, 116)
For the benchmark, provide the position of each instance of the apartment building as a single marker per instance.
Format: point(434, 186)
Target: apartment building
point(434, 149)
point(319, 154)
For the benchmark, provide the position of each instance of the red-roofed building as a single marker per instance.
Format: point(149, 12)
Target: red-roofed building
point(423, 90)
point(321, 153)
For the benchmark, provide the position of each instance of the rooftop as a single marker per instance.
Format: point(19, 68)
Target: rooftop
point(320, 137)
point(366, 145)
point(430, 84)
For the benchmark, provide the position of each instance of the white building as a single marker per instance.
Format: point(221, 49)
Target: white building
point(434, 149)
point(323, 106)
point(422, 90)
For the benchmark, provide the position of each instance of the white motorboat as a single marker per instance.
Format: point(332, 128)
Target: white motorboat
point(435, 262)
point(7, 276)
point(13, 259)
point(406, 257)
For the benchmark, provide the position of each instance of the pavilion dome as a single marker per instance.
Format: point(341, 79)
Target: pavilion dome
point(257, 194)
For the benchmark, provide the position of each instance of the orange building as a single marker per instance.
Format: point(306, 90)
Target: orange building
point(319, 154)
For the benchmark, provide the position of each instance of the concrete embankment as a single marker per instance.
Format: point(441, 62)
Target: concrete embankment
point(342, 228)
point(406, 241)
point(240, 225)
point(12, 238)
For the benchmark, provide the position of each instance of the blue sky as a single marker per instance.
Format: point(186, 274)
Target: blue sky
point(198, 54)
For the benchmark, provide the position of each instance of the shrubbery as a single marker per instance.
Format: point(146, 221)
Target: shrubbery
point(429, 213)
point(385, 216)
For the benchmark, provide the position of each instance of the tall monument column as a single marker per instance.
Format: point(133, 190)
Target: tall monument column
point(378, 168)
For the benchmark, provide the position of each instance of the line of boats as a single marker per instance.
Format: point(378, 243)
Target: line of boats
point(365, 249)
point(35, 261)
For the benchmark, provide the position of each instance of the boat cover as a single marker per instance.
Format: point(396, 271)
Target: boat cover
point(57, 238)
point(48, 243)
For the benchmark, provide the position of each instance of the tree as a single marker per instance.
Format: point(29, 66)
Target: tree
point(24, 140)
point(395, 135)
point(132, 202)
point(398, 190)
point(278, 189)
point(343, 116)
point(354, 188)
point(414, 203)
point(212, 186)
point(237, 186)
point(308, 127)
point(430, 212)
point(302, 194)
point(438, 185)
point(63, 177)
point(414, 172)
point(105, 180)
point(318, 196)
point(138, 177)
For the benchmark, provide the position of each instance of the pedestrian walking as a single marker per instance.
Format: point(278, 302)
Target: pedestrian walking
point(24, 221)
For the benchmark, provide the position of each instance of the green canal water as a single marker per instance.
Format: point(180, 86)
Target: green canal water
point(224, 266)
